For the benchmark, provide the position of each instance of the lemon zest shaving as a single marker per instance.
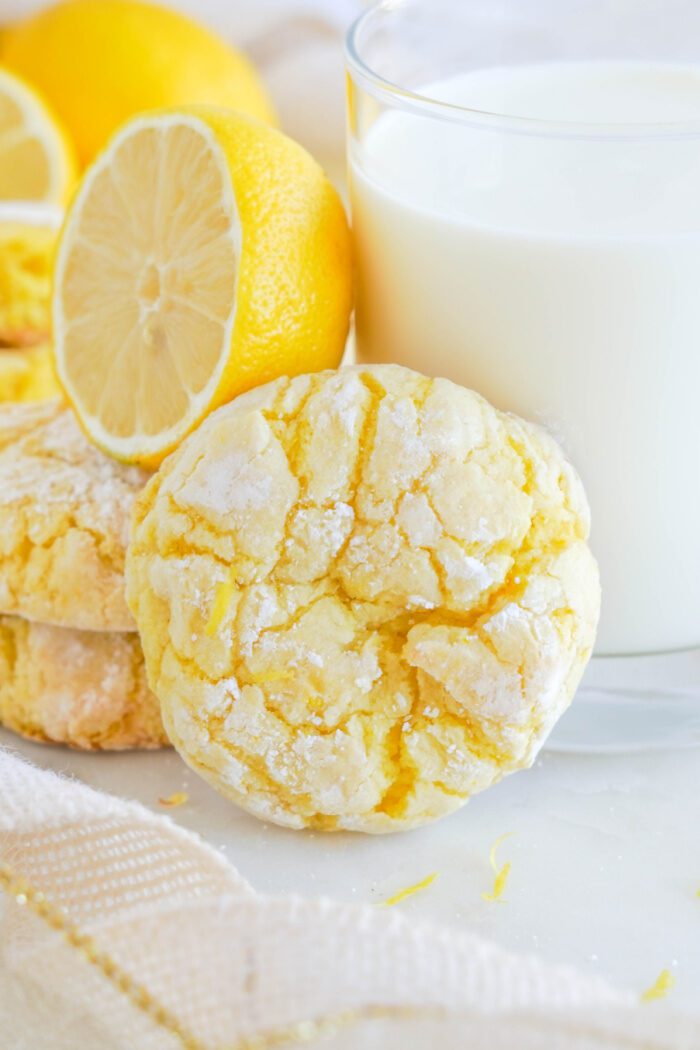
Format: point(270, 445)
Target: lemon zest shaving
point(410, 890)
point(178, 799)
point(500, 874)
point(272, 676)
point(660, 988)
point(222, 597)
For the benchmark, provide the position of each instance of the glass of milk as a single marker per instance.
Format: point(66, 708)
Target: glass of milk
point(525, 187)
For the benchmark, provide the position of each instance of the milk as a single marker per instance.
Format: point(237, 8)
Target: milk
point(557, 271)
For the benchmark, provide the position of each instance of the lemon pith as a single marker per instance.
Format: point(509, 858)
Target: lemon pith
point(205, 253)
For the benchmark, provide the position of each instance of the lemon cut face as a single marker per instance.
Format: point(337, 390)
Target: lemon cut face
point(36, 162)
point(205, 253)
point(151, 281)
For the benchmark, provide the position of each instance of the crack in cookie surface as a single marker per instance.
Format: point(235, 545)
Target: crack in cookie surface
point(409, 596)
point(64, 522)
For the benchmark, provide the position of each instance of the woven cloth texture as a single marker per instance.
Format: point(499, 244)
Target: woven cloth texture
point(229, 964)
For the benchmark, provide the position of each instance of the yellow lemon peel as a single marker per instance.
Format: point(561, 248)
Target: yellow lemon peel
point(222, 599)
point(135, 56)
point(410, 890)
point(178, 799)
point(272, 676)
point(500, 874)
point(660, 988)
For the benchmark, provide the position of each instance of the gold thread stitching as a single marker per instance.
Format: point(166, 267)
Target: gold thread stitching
point(297, 1032)
point(27, 895)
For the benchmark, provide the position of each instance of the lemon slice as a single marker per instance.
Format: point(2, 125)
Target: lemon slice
point(205, 253)
point(36, 159)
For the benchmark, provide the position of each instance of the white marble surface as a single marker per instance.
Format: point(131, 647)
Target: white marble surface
point(605, 851)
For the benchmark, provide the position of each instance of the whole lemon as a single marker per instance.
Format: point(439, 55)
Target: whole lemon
point(98, 62)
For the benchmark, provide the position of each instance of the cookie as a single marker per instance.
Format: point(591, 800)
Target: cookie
point(28, 375)
point(18, 420)
point(83, 688)
point(28, 234)
point(64, 522)
point(363, 596)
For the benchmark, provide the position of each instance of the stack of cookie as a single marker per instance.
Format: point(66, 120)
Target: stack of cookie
point(71, 667)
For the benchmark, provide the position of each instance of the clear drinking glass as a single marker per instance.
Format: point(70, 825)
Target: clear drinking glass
point(525, 188)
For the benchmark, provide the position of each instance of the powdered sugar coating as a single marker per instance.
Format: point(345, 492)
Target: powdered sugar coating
point(404, 615)
point(87, 689)
point(64, 521)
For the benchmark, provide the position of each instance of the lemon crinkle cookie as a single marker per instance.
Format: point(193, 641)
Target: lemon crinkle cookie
point(27, 374)
point(83, 688)
point(28, 234)
point(363, 596)
point(64, 522)
point(64, 512)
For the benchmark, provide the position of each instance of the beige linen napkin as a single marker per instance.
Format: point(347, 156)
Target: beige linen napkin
point(120, 931)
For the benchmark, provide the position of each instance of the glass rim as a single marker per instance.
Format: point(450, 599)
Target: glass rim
point(419, 104)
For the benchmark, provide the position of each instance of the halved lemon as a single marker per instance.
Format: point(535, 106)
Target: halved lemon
point(36, 158)
point(205, 253)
